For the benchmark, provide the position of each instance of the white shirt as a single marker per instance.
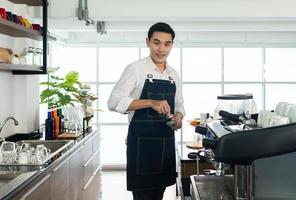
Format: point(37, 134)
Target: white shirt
point(131, 82)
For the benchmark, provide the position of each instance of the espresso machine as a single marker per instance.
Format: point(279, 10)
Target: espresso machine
point(251, 163)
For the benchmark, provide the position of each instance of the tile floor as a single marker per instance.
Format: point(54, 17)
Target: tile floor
point(113, 187)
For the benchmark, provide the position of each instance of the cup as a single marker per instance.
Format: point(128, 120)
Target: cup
point(9, 16)
point(8, 151)
point(286, 109)
point(266, 118)
point(3, 14)
point(23, 158)
point(36, 27)
point(279, 107)
point(292, 114)
point(278, 120)
point(203, 118)
point(261, 117)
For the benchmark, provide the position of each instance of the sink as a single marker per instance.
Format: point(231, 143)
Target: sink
point(7, 176)
point(57, 148)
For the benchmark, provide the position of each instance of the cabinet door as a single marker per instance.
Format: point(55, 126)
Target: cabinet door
point(39, 190)
point(90, 166)
point(86, 150)
point(60, 181)
point(96, 142)
point(76, 175)
point(91, 190)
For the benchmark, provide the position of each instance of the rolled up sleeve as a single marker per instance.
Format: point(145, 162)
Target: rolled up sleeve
point(120, 98)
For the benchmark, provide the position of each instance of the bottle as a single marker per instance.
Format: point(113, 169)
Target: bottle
point(56, 124)
point(49, 127)
point(61, 120)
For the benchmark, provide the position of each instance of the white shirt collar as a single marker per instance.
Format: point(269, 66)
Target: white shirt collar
point(154, 67)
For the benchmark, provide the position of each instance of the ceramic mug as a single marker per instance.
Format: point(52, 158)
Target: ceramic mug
point(3, 14)
point(292, 114)
point(23, 158)
point(279, 107)
point(286, 109)
point(266, 116)
point(203, 118)
point(278, 120)
point(261, 115)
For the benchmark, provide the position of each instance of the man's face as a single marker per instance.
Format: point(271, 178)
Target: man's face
point(160, 45)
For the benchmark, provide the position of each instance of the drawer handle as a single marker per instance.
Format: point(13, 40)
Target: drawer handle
point(91, 178)
point(87, 141)
point(35, 187)
point(60, 165)
point(90, 159)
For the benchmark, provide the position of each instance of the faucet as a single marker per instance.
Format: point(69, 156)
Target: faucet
point(4, 122)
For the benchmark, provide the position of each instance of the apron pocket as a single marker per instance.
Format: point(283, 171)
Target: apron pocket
point(150, 155)
point(169, 155)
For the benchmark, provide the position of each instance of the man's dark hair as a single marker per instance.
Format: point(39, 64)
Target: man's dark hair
point(161, 27)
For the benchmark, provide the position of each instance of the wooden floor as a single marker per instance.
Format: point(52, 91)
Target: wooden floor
point(113, 186)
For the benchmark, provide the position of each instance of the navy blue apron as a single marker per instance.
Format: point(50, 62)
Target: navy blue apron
point(151, 160)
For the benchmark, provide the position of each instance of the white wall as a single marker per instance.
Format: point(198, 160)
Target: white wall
point(176, 9)
point(200, 21)
point(20, 99)
point(19, 93)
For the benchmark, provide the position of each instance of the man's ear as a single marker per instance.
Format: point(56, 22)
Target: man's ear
point(147, 41)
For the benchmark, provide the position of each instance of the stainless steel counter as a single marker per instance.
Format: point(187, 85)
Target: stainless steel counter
point(211, 187)
point(15, 178)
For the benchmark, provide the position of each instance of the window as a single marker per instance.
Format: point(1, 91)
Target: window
point(80, 59)
point(205, 72)
point(243, 64)
point(201, 64)
point(280, 64)
point(112, 62)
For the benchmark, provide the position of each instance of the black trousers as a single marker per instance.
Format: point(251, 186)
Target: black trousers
point(155, 194)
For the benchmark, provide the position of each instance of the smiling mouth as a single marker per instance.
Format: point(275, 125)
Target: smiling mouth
point(160, 56)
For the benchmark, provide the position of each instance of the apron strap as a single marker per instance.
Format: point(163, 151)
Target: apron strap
point(150, 78)
point(171, 79)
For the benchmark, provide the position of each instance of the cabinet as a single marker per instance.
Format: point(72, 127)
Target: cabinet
point(15, 30)
point(60, 183)
point(75, 177)
point(39, 190)
point(91, 171)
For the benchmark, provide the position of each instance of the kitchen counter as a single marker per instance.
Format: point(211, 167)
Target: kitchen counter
point(20, 179)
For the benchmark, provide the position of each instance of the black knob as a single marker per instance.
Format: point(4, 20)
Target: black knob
point(201, 130)
point(209, 143)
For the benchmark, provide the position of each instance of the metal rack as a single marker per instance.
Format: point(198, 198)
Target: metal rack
point(15, 30)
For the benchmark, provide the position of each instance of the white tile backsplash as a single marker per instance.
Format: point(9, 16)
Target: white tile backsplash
point(20, 99)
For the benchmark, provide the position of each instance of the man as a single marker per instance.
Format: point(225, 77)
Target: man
point(149, 90)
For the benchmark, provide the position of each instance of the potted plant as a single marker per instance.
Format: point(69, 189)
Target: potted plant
point(63, 91)
point(60, 90)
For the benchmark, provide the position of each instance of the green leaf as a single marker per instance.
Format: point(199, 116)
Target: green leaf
point(48, 83)
point(65, 99)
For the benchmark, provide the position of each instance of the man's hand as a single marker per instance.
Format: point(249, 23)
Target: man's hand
point(161, 106)
point(178, 119)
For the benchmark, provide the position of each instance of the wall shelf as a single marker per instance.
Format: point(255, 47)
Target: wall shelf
point(12, 67)
point(28, 2)
point(15, 30)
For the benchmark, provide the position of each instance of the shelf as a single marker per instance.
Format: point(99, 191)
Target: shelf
point(16, 30)
point(28, 2)
point(11, 67)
